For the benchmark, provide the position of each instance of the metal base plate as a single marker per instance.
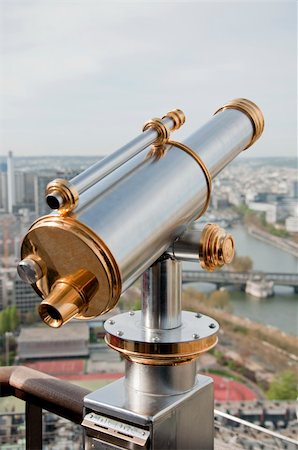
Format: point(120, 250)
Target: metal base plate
point(175, 422)
point(127, 334)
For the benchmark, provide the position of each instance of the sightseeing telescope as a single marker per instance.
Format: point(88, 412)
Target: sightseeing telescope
point(130, 215)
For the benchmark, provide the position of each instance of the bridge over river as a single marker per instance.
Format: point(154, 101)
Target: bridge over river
point(224, 278)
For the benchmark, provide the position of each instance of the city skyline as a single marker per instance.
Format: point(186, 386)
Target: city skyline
point(81, 78)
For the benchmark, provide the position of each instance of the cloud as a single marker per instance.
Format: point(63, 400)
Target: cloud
point(79, 75)
point(49, 42)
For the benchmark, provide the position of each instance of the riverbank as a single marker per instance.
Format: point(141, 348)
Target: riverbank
point(257, 351)
point(286, 245)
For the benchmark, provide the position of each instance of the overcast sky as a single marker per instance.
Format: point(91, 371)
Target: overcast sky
point(81, 77)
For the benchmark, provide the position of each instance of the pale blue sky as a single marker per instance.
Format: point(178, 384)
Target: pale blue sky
point(81, 77)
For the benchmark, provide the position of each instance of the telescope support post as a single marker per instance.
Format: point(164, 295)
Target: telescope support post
point(161, 295)
point(161, 403)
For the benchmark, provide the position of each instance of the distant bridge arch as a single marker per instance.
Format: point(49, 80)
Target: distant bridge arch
point(225, 277)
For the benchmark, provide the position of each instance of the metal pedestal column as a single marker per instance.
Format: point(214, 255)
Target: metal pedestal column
point(160, 404)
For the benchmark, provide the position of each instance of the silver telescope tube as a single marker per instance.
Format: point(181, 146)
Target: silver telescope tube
point(64, 195)
point(155, 203)
point(129, 222)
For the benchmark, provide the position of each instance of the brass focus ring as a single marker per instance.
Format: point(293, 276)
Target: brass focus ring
point(252, 111)
point(162, 130)
point(177, 116)
point(216, 247)
point(204, 168)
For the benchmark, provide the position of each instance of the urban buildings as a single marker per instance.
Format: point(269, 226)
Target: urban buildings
point(259, 187)
point(270, 188)
point(40, 343)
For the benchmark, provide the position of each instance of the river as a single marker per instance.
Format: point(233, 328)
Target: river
point(280, 311)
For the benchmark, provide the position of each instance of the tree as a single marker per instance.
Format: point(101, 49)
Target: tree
point(2, 324)
point(4, 321)
point(242, 264)
point(131, 299)
point(9, 319)
point(191, 298)
point(284, 387)
point(220, 300)
point(29, 317)
point(13, 318)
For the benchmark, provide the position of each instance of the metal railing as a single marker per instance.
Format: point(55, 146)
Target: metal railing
point(41, 391)
point(44, 392)
point(278, 440)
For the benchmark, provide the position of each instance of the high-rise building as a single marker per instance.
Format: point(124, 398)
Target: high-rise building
point(40, 184)
point(6, 287)
point(294, 189)
point(24, 189)
point(10, 182)
point(292, 224)
point(25, 298)
point(3, 190)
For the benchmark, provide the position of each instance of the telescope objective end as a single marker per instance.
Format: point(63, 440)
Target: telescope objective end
point(252, 111)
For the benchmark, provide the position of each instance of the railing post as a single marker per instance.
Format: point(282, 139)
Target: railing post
point(33, 427)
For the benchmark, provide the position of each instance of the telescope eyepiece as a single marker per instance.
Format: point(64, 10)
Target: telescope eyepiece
point(54, 200)
point(61, 194)
point(50, 315)
point(68, 297)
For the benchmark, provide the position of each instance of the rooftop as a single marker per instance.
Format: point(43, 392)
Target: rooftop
point(70, 332)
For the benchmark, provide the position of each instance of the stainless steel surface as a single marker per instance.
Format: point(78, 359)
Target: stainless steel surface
point(111, 428)
point(186, 248)
point(175, 422)
point(160, 380)
point(111, 162)
point(132, 329)
point(161, 295)
point(102, 168)
point(29, 270)
point(158, 199)
point(105, 184)
point(221, 139)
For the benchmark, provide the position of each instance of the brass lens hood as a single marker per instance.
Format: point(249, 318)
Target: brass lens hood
point(252, 111)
